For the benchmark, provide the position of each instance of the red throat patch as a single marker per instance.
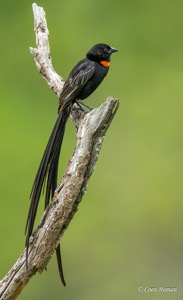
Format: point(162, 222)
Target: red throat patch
point(105, 63)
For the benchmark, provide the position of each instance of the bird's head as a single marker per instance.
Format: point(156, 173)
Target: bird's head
point(100, 52)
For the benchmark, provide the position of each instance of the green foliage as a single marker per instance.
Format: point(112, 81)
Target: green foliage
point(128, 231)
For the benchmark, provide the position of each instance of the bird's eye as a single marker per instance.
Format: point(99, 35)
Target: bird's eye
point(105, 50)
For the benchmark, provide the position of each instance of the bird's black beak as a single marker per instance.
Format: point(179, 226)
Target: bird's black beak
point(113, 50)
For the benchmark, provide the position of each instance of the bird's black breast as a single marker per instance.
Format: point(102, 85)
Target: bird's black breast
point(95, 80)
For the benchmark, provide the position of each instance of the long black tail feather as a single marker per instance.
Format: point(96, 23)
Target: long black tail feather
point(47, 173)
point(59, 263)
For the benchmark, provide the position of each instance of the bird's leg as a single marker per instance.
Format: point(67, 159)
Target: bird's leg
point(80, 104)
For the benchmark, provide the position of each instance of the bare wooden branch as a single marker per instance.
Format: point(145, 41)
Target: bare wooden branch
point(91, 130)
point(41, 54)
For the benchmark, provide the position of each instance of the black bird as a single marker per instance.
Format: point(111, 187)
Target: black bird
point(83, 80)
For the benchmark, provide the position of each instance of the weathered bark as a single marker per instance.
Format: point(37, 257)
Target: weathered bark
point(91, 130)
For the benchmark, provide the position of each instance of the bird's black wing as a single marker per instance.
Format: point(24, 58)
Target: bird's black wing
point(77, 79)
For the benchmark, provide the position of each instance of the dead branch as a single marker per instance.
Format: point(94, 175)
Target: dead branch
point(91, 130)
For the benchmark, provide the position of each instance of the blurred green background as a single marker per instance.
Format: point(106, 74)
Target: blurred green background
point(128, 231)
